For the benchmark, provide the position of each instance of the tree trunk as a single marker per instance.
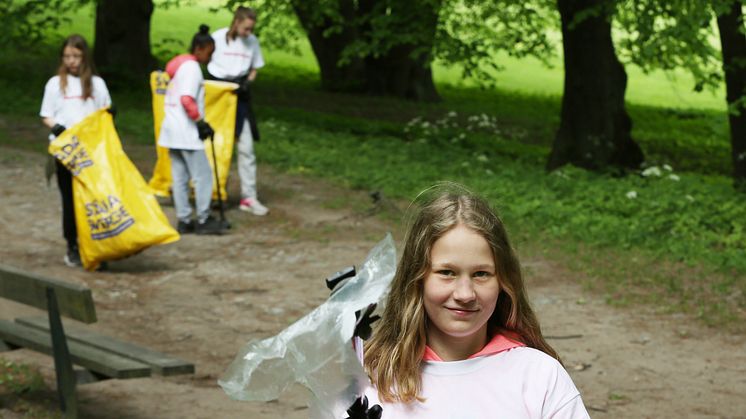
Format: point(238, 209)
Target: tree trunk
point(122, 50)
point(399, 71)
point(404, 70)
point(328, 47)
point(595, 128)
point(733, 42)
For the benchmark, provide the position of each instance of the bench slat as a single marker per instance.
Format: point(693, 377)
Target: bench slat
point(94, 359)
point(161, 363)
point(75, 301)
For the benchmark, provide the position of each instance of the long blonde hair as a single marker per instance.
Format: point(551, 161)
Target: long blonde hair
point(393, 355)
point(87, 69)
point(239, 16)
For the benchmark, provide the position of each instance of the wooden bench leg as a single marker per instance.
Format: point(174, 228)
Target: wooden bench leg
point(62, 364)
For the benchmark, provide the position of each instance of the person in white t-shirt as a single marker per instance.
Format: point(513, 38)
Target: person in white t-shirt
point(458, 338)
point(237, 58)
point(183, 131)
point(74, 93)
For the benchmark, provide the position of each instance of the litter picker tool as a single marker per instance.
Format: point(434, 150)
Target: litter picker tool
point(223, 221)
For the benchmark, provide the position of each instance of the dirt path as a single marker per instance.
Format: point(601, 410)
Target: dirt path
point(202, 298)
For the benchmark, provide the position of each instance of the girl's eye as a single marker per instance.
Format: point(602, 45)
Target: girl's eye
point(482, 274)
point(445, 272)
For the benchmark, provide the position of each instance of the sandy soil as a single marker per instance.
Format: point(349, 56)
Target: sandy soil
point(202, 298)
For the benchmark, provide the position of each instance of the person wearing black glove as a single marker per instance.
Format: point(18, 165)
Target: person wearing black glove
point(183, 133)
point(243, 91)
point(204, 129)
point(237, 58)
point(70, 97)
point(360, 410)
point(58, 129)
point(457, 337)
point(112, 109)
point(364, 322)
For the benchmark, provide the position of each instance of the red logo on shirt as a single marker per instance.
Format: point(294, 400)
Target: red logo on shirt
point(237, 54)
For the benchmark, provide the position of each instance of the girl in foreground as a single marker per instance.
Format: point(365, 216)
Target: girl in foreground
point(70, 96)
point(458, 338)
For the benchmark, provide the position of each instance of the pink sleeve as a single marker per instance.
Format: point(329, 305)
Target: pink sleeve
point(190, 106)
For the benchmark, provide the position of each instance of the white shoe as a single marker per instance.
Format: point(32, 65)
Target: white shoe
point(253, 206)
point(72, 258)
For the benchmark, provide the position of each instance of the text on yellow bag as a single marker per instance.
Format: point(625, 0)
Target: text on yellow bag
point(116, 212)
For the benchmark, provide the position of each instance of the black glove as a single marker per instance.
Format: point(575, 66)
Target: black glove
point(364, 322)
point(204, 129)
point(58, 129)
point(243, 91)
point(112, 109)
point(359, 410)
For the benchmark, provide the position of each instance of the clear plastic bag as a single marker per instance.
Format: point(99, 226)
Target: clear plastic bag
point(316, 351)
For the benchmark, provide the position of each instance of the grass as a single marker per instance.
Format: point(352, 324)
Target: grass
point(674, 239)
point(23, 391)
point(677, 243)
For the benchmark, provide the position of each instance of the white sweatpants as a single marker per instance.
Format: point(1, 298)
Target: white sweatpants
point(246, 162)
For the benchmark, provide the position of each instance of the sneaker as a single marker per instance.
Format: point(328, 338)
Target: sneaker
point(210, 226)
point(253, 206)
point(72, 258)
point(185, 227)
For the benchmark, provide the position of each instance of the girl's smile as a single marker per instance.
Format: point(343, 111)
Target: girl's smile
point(461, 311)
point(460, 293)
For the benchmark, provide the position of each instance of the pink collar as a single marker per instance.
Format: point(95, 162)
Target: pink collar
point(173, 66)
point(498, 343)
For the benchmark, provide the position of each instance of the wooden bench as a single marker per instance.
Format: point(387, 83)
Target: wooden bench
point(102, 357)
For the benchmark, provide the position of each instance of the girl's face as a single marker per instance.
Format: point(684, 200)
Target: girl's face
point(460, 290)
point(245, 27)
point(72, 58)
point(204, 53)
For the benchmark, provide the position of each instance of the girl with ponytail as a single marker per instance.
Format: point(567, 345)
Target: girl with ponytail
point(183, 131)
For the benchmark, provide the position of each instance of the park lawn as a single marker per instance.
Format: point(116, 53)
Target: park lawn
point(675, 239)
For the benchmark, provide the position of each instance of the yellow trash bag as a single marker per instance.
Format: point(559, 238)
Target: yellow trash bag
point(116, 213)
point(161, 180)
point(220, 112)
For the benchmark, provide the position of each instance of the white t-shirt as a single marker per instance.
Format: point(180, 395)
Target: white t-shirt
point(178, 130)
point(68, 108)
point(518, 383)
point(235, 58)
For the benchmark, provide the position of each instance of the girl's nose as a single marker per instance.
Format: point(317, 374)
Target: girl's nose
point(464, 290)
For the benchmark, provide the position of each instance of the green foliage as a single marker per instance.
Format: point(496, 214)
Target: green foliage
point(26, 22)
point(667, 34)
point(687, 139)
point(468, 32)
point(277, 25)
point(472, 32)
point(19, 378)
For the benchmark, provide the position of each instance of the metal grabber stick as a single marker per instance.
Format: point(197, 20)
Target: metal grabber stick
point(223, 221)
